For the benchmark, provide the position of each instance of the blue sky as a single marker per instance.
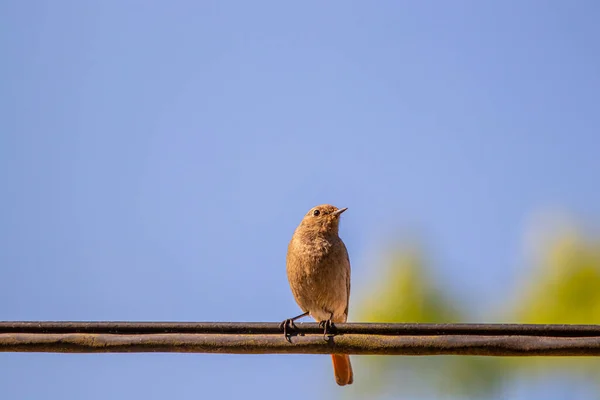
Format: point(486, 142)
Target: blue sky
point(155, 158)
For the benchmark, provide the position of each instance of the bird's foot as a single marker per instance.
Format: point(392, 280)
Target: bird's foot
point(288, 323)
point(327, 325)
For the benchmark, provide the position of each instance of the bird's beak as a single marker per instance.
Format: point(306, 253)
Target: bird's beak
point(338, 212)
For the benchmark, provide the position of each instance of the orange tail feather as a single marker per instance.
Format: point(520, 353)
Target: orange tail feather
point(342, 369)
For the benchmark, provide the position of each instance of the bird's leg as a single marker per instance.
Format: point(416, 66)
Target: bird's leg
point(290, 323)
point(326, 325)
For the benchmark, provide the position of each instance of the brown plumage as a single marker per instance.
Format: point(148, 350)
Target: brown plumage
point(318, 269)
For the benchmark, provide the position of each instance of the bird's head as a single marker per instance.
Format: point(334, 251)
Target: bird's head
point(323, 219)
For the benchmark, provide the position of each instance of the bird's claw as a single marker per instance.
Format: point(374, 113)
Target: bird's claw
point(288, 323)
point(326, 325)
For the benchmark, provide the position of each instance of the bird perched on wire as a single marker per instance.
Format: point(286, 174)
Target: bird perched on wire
point(318, 270)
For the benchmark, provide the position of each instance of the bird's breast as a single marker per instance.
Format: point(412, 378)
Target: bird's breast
point(314, 257)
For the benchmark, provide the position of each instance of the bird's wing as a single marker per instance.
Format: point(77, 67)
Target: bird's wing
point(347, 280)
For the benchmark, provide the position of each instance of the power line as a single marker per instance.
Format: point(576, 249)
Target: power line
point(307, 338)
point(120, 327)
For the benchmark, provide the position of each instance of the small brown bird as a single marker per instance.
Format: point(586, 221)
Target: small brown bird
point(318, 269)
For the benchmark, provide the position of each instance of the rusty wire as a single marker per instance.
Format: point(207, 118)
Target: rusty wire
point(307, 338)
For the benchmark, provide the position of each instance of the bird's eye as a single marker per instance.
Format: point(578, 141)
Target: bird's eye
point(316, 213)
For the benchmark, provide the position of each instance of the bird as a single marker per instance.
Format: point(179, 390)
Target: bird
point(318, 271)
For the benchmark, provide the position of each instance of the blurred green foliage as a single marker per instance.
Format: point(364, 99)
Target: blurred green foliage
point(408, 293)
point(563, 286)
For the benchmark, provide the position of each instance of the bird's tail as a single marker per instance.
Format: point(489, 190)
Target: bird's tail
point(342, 369)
